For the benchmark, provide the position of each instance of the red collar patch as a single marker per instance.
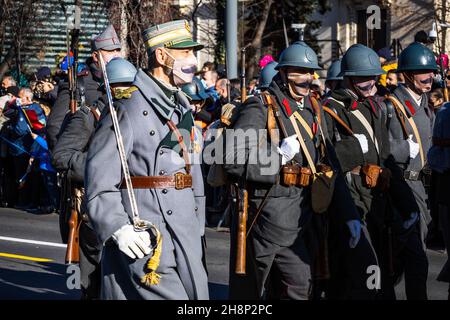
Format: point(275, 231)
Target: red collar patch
point(287, 107)
point(354, 105)
point(410, 107)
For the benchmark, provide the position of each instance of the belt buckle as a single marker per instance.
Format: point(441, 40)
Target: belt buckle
point(179, 181)
point(412, 175)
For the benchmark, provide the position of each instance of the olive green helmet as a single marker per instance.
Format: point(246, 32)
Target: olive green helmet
point(298, 54)
point(360, 61)
point(416, 57)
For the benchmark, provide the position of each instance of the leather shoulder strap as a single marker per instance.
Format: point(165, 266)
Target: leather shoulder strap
point(303, 145)
point(400, 106)
point(335, 116)
point(177, 133)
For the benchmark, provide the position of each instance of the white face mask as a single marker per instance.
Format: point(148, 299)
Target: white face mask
point(183, 69)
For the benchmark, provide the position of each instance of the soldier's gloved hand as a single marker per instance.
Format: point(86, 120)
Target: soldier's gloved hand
point(288, 149)
point(135, 244)
point(412, 219)
point(413, 147)
point(362, 142)
point(355, 230)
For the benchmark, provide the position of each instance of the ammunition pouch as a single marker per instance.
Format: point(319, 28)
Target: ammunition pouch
point(370, 174)
point(294, 175)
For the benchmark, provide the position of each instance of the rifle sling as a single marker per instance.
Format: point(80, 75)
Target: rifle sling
point(338, 119)
point(258, 211)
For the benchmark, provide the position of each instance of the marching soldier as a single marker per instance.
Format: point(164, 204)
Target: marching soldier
point(410, 136)
point(89, 79)
point(167, 186)
point(69, 156)
point(439, 160)
point(277, 168)
point(356, 126)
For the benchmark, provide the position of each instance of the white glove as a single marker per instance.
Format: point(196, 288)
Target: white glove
point(362, 142)
point(413, 147)
point(355, 230)
point(413, 218)
point(289, 148)
point(135, 244)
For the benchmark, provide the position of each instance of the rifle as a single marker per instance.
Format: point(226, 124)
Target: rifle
point(73, 245)
point(72, 47)
point(241, 243)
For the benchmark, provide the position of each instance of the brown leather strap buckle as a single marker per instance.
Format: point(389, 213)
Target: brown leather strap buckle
point(182, 181)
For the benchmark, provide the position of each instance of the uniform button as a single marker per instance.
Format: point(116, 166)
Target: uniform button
point(162, 172)
point(165, 191)
point(169, 212)
point(145, 113)
point(161, 152)
point(152, 133)
point(196, 208)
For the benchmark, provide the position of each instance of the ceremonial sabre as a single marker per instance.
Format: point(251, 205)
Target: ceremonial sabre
point(138, 223)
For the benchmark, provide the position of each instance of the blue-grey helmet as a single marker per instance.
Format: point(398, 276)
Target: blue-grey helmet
point(298, 54)
point(360, 61)
point(334, 70)
point(195, 90)
point(267, 74)
point(120, 70)
point(416, 57)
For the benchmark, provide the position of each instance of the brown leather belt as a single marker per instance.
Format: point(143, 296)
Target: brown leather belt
point(178, 181)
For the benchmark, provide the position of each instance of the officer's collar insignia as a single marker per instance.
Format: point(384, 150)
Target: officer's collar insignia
point(354, 105)
point(287, 107)
point(410, 107)
point(123, 93)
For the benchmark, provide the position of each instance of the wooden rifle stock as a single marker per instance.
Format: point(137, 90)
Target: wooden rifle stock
point(446, 94)
point(242, 236)
point(73, 246)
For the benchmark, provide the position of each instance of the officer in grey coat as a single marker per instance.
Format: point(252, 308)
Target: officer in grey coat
point(70, 155)
point(168, 187)
point(410, 131)
point(439, 161)
point(278, 242)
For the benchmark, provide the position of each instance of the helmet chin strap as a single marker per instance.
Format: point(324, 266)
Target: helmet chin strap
point(413, 86)
point(294, 95)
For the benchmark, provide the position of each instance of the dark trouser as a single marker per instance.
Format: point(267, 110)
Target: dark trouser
point(411, 258)
point(350, 268)
point(90, 255)
point(290, 264)
point(372, 206)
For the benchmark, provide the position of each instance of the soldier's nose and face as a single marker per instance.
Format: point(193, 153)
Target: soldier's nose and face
point(423, 81)
point(364, 86)
point(300, 80)
point(106, 55)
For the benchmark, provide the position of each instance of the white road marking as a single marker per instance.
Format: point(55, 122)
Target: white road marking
point(42, 243)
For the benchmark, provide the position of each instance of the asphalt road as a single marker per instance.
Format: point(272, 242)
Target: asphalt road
point(22, 277)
